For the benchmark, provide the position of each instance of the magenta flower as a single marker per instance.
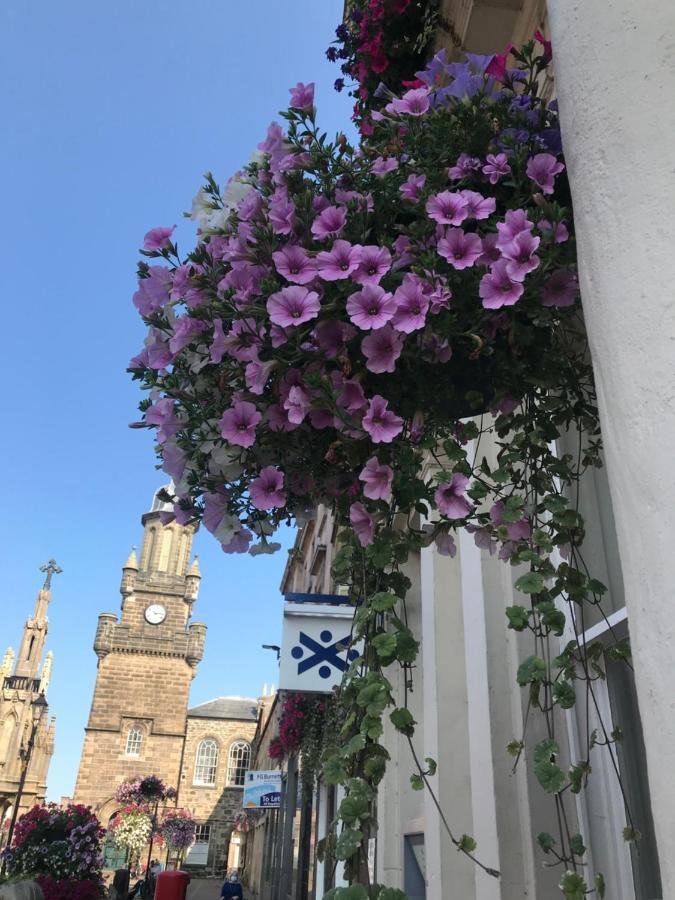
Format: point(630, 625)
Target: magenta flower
point(542, 169)
point(464, 167)
point(371, 307)
point(560, 288)
point(267, 489)
point(380, 422)
point(478, 206)
point(491, 253)
point(382, 166)
point(447, 208)
point(382, 348)
point(362, 523)
point(461, 249)
point(515, 221)
point(243, 340)
point(413, 103)
point(218, 345)
point(293, 306)
point(498, 289)
point(237, 424)
point(548, 51)
point(184, 329)
point(330, 220)
point(375, 263)
point(163, 414)
point(294, 264)
point(497, 67)
point(302, 96)
point(496, 166)
point(520, 255)
point(153, 291)
point(339, 262)
point(351, 396)
point(282, 214)
point(158, 238)
point(331, 336)
point(411, 187)
point(450, 499)
point(377, 479)
point(412, 306)
point(257, 374)
point(296, 404)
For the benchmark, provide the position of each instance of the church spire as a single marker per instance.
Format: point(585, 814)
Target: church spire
point(46, 672)
point(35, 629)
point(7, 665)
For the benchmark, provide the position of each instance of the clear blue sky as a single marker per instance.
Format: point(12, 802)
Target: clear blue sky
point(111, 112)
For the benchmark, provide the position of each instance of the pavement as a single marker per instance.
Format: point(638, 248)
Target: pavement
point(209, 889)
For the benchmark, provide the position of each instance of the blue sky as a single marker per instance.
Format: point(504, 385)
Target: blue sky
point(111, 113)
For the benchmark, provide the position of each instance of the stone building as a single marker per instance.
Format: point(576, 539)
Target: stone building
point(140, 722)
point(23, 678)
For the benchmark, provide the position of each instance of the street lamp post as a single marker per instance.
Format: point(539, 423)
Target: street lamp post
point(38, 707)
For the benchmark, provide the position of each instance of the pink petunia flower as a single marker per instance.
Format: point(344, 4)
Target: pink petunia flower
point(330, 221)
point(496, 166)
point(558, 233)
point(560, 288)
point(218, 345)
point(351, 396)
point(542, 169)
point(382, 166)
point(294, 264)
point(293, 306)
point(413, 103)
point(447, 208)
point(461, 249)
point(243, 340)
point(332, 336)
point(371, 307)
point(257, 374)
point(267, 489)
point(411, 187)
point(412, 306)
point(464, 167)
point(238, 424)
point(377, 479)
point(153, 290)
point(163, 414)
point(239, 543)
point(362, 523)
point(382, 348)
point(515, 221)
point(375, 263)
point(520, 255)
point(517, 531)
point(498, 289)
point(296, 404)
point(445, 544)
point(282, 214)
point(339, 262)
point(450, 499)
point(302, 96)
point(158, 238)
point(380, 422)
point(478, 206)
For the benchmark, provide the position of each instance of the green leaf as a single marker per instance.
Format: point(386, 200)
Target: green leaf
point(600, 885)
point(348, 843)
point(552, 617)
point(530, 670)
point(530, 583)
point(576, 776)
point(382, 601)
point(407, 647)
point(549, 775)
point(353, 808)
point(403, 721)
point(518, 617)
point(514, 747)
point(354, 892)
point(546, 841)
point(417, 782)
point(631, 834)
point(384, 645)
point(577, 845)
point(563, 694)
point(432, 765)
point(466, 844)
point(334, 771)
point(354, 745)
point(387, 893)
point(573, 886)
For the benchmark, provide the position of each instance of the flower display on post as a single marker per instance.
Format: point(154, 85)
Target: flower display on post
point(131, 829)
point(349, 325)
point(60, 849)
point(177, 830)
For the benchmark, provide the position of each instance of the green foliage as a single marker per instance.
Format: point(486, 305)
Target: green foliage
point(577, 845)
point(631, 835)
point(518, 617)
point(600, 885)
point(466, 844)
point(546, 841)
point(348, 843)
point(573, 886)
point(563, 694)
point(549, 775)
point(531, 670)
point(530, 583)
point(402, 719)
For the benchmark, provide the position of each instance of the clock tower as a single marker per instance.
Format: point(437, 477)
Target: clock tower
point(147, 657)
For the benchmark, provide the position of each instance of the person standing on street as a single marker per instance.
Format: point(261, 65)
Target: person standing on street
point(232, 888)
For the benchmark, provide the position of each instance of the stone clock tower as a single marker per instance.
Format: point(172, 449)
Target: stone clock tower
point(146, 660)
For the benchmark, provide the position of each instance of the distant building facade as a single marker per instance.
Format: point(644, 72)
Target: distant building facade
point(140, 722)
point(23, 677)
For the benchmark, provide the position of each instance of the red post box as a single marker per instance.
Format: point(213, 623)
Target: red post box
point(171, 885)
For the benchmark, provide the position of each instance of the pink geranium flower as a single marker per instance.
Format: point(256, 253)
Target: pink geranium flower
point(412, 306)
point(238, 424)
point(447, 208)
point(461, 249)
point(496, 166)
point(478, 206)
point(450, 499)
point(158, 238)
point(375, 262)
point(294, 264)
point(377, 479)
point(293, 306)
point(498, 289)
point(542, 169)
point(380, 422)
point(339, 262)
point(371, 307)
point(267, 489)
point(362, 523)
point(330, 220)
point(382, 348)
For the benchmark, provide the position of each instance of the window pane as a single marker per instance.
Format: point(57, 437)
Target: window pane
point(206, 763)
point(237, 763)
point(134, 739)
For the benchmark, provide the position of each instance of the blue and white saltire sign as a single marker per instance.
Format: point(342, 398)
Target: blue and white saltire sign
point(315, 648)
point(262, 789)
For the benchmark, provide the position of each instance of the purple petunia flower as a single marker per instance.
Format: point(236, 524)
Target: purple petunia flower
point(496, 166)
point(520, 255)
point(380, 422)
point(445, 544)
point(293, 306)
point(377, 479)
point(375, 263)
point(296, 404)
point(302, 96)
point(184, 329)
point(351, 397)
point(237, 424)
point(414, 102)
point(464, 167)
point(153, 291)
point(412, 306)
point(514, 223)
point(447, 208)
point(461, 249)
point(491, 252)
point(282, 214)
point(478, 206)
point(294, 264)
point(163, 414)
point(411, 187)
point(339, 262)
point(330, 221)
point(560, 288)
point(542, 169)
point(558, 233)
point(382, 166)
point(371, 307)
point(498, 289)
point(267, 489)
point(450, 499)
point(382, 348)
point(257, 374)
point(158, 238)
point(362, 523)
point(331, 336)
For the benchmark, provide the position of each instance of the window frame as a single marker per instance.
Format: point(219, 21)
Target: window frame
point(137, 741)
point(198, 780)
point(235, 768)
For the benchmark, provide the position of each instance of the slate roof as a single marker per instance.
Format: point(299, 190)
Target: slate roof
point(241, 708)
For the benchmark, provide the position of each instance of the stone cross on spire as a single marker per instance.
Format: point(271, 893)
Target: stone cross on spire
point(51, 569)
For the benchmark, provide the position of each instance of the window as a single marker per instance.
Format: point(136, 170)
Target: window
point(202, 834)
point(134, 740)
point(238, 762)
point(206, 763)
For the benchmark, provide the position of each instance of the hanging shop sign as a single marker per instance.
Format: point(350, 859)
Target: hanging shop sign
point(262, 789)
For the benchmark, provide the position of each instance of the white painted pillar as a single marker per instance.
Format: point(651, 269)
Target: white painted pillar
point(615, 76)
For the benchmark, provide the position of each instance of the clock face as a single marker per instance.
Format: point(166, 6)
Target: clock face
point(155, 614)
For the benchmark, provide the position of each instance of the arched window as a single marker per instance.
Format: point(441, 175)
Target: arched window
point(134, 740)
point(206, 762)
point(238, 762)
